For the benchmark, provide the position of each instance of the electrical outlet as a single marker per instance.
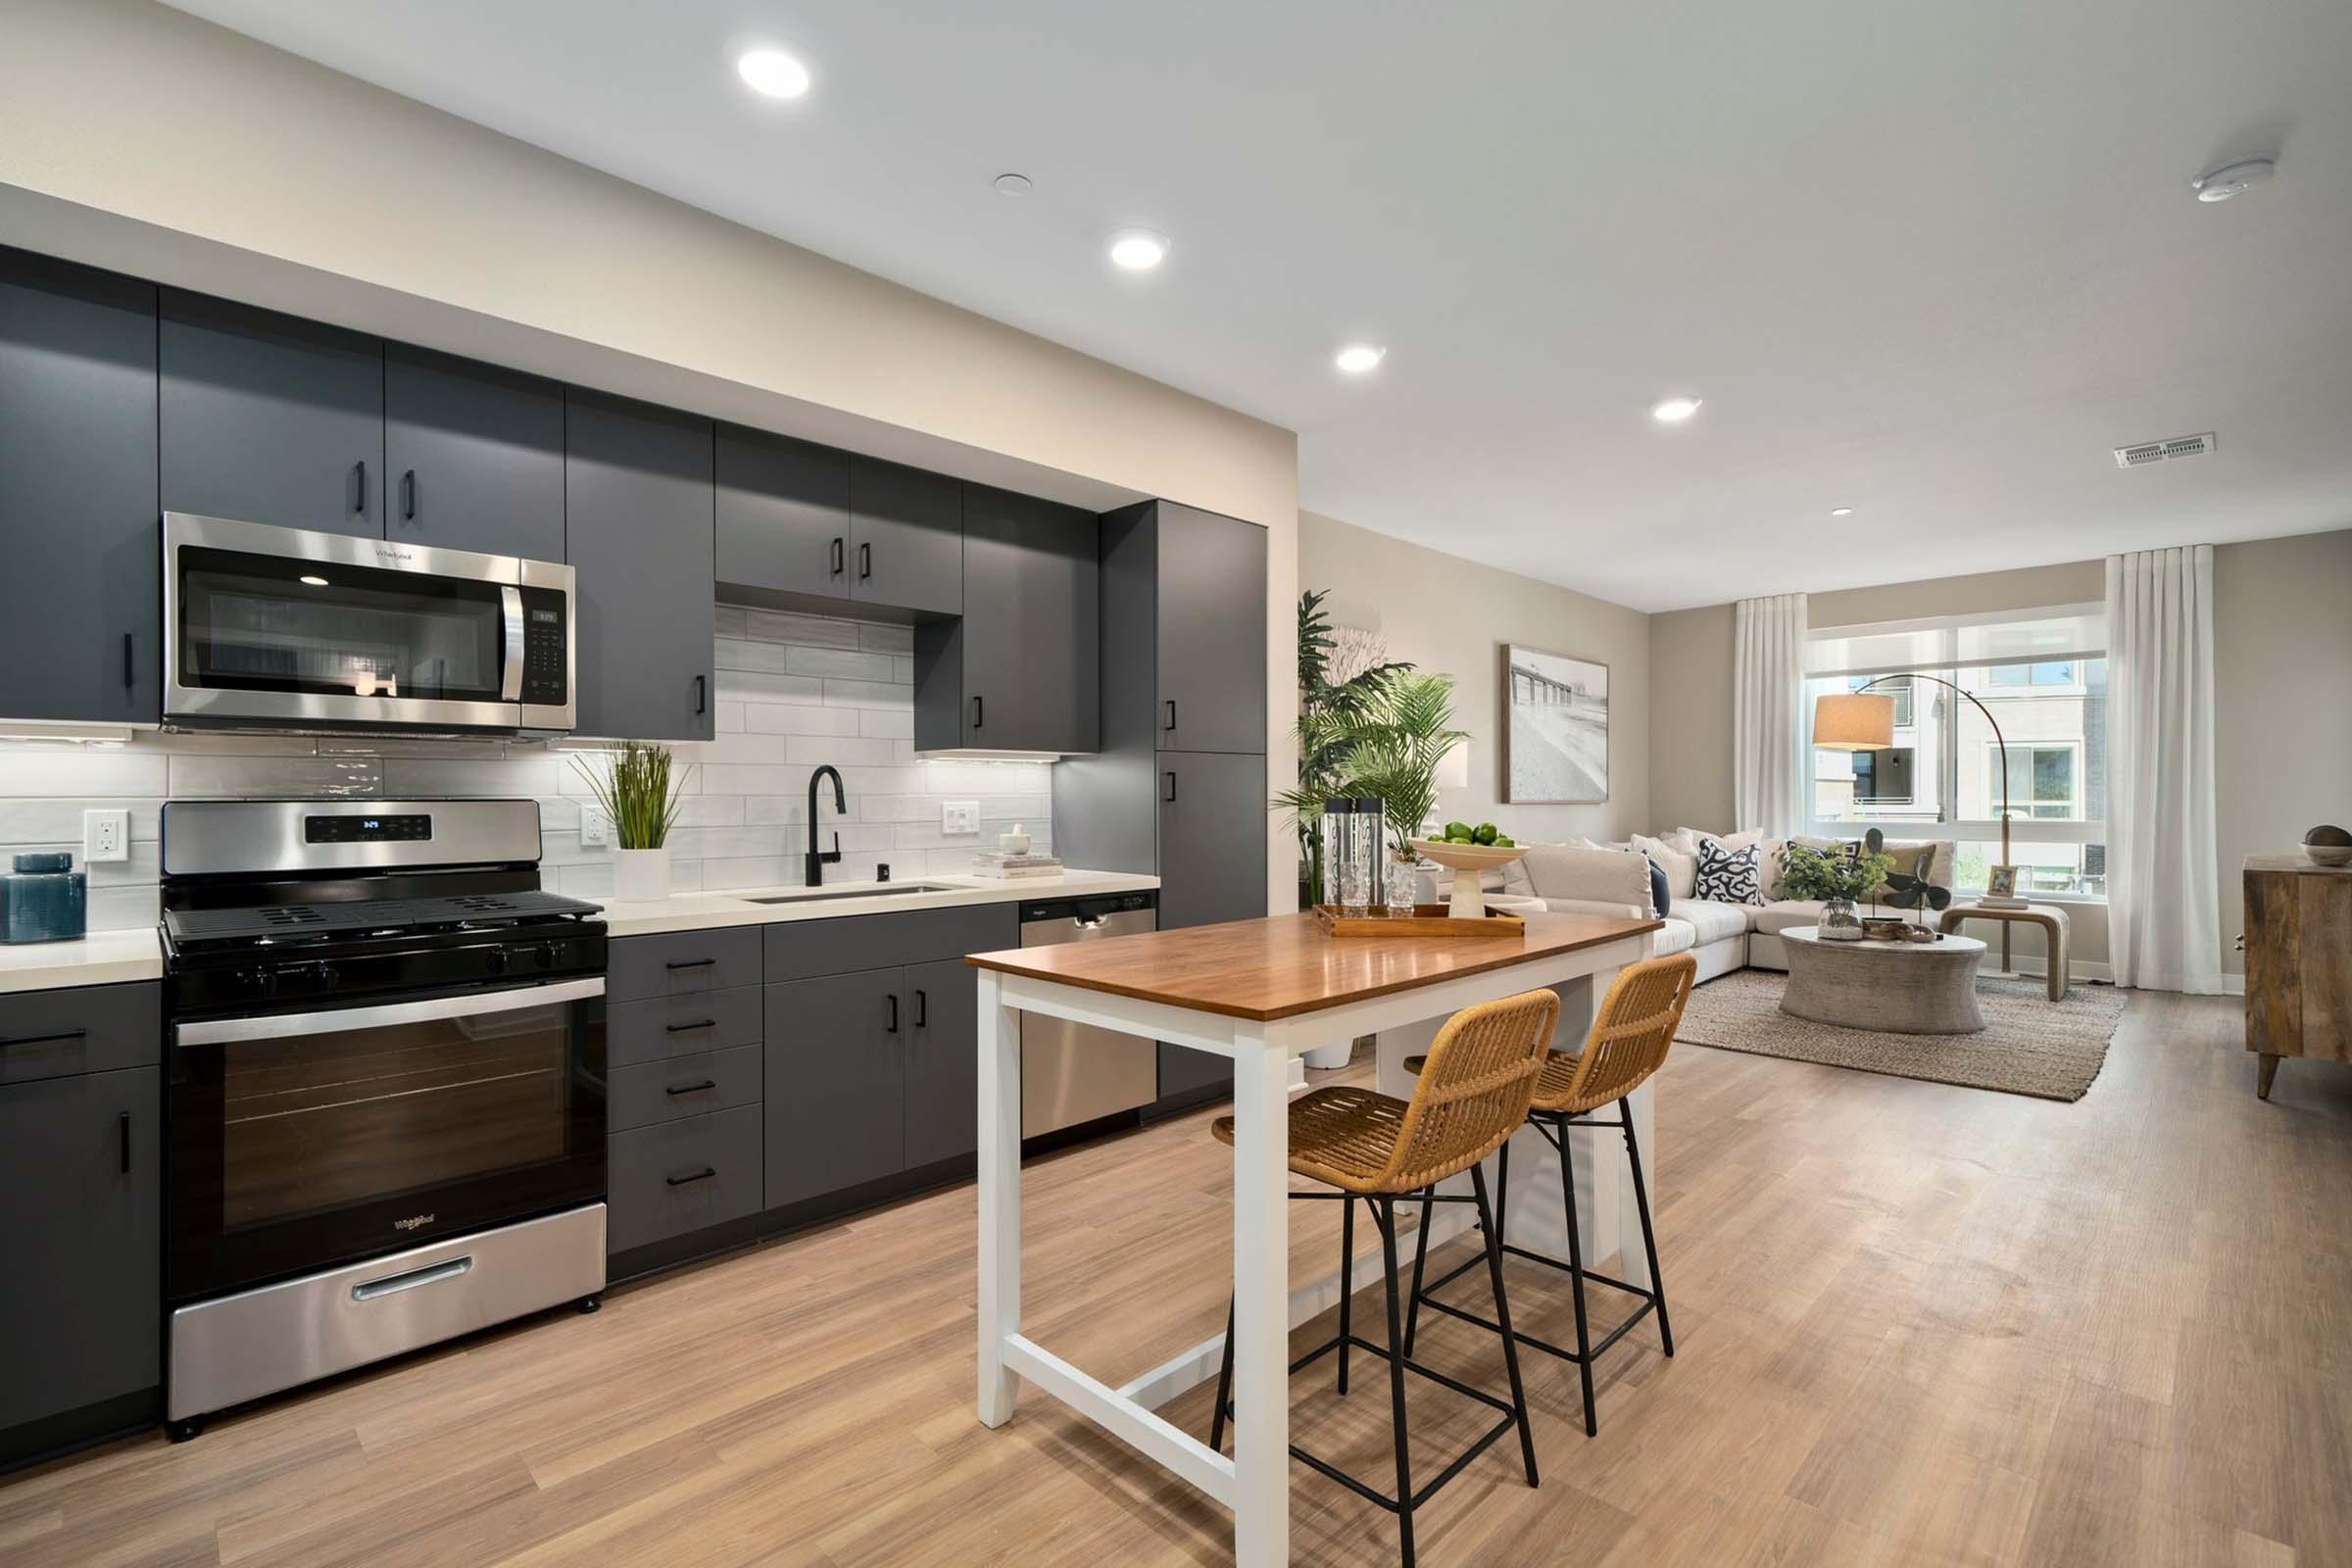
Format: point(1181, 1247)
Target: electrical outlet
point(596, 828)
point(105, 836)
point(959, 817)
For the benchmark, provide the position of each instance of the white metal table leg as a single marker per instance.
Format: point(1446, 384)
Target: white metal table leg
point(1000, 1193)
point(1261, 1386)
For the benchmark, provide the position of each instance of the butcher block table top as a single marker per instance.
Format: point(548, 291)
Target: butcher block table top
point(1285, 966)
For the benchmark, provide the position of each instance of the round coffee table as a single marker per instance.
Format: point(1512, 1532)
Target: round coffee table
point(1903, 987)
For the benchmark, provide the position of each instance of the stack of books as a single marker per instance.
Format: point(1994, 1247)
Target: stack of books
point(995, 864)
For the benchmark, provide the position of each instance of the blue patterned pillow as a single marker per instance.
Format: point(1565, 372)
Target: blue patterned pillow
point(1729, 876)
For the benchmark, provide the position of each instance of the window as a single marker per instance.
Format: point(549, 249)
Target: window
point(2043, 680)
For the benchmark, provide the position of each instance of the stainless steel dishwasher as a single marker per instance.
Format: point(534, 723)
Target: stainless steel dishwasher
point(1074, 1072)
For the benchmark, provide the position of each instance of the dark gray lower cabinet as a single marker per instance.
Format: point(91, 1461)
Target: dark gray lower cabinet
point(473, 455)
point(638, 532)
point(1213, 839)
point(943, 1061)
point(836, 1083)
point(80, 594)
point(674, 1177)
point(81, 1294)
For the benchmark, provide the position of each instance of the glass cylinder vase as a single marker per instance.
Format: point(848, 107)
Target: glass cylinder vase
point(1403, 887)
point(1839, 922)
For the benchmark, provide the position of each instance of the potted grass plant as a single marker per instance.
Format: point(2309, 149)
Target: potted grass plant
point(640, 790)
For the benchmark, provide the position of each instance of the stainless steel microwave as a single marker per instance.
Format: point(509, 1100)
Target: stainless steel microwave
point(283, 629)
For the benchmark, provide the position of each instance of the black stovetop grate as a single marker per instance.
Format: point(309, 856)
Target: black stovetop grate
point(284, 920)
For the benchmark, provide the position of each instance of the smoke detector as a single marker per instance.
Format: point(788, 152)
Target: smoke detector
point(2233, 179)
point(2180, 446)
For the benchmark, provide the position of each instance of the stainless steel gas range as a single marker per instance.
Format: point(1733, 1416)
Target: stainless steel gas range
point(385, 1101)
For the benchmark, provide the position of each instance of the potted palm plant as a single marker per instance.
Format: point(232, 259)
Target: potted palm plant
point(1338, 688)
point(640, 792)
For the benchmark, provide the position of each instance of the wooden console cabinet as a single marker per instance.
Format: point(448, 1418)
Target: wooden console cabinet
point(2298, 961)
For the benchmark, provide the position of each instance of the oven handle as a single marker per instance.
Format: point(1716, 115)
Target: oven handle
point(394, 1284)
point(343, 1020)
point(510, 686)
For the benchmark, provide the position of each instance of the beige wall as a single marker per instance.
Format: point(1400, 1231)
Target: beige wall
point(1454, 615)
point(2282, 678)
point(1690, 722)
point(136, 137)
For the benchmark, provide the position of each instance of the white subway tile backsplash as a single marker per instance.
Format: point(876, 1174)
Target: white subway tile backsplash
point(794, 691)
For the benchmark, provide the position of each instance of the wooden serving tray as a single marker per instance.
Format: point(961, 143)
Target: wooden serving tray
point(1429, 920)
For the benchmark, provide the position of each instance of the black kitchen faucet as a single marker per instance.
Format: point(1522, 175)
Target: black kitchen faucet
point(813, 873)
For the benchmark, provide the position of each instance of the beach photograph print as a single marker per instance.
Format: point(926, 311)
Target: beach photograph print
point(1556, 728)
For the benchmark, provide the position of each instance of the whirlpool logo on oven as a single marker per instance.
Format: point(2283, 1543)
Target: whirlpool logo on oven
point(413, 1222)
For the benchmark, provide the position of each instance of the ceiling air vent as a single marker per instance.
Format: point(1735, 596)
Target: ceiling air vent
point(2180, 446)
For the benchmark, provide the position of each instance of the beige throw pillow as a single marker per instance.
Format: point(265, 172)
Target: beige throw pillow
point(1681, 865)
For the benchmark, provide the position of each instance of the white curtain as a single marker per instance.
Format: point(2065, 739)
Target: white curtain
point(1770, 735)
point(2163, 900)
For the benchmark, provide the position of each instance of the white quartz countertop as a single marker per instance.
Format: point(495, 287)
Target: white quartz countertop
point(701, 912)
point(101, 958)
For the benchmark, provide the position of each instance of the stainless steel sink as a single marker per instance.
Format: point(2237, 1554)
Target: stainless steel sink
point(888, 891)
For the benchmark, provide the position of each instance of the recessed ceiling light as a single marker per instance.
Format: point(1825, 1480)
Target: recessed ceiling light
point(1138, 250)
point(1841, 511)
point(772, 72)
point(315, 582)
point(1359, 358)
point(1674, 409)
point(2233, 179)
point(1014, 185)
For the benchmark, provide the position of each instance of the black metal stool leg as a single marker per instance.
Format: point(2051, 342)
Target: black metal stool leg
point(1386, 1217)
point(1575, 1277)
point(1348, 1281)
point(1649, 1236)
point(1216, 1422)
point(1491, 1225)
point(1412, 1321)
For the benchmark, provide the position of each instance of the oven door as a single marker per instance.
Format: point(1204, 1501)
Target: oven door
point(280, 629)
point(303, 1140)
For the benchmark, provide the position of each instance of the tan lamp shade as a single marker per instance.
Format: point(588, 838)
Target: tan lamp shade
point(1854, 721)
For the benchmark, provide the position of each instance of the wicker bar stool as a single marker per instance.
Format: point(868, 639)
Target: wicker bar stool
point(1481, 1075)
point(1630, 1032)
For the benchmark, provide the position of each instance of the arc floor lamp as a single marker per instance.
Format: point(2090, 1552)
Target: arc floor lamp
point(1863, 720)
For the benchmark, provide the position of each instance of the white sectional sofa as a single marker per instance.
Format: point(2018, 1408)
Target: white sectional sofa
point(1609, 879)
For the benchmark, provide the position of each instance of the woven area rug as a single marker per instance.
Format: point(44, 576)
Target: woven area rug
point(2030, 1044)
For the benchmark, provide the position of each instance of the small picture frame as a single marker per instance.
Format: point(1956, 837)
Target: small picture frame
point(2000, 882)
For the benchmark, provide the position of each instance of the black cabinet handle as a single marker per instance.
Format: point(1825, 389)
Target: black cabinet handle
point(681, 1028)
point(691, 1088)
point(122, 1126)
point(1172, 725)
point(865, 561)
point(923, 1008)
point(358, 486)
point(1167, 786)
point(702, 694)
point(840, 559)
point(893, 999)
point(44, 1040)
point(130, 674)
point(690, 964)
point(976, 712)
point(702, 1175)
point(407, 495)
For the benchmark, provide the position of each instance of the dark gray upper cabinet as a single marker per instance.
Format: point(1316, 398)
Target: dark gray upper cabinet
point(783, 514)
point(269, 418)
point(943, 1061)
point(1021, 669)
point(1212, 838)
point(1212, 632)
point(835, 1083)
point(906, 537)
point(80, 594)
point(81, 1299)
point(639, 533)
point(473, 455)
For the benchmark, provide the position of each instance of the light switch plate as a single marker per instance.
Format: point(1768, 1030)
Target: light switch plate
point(596, 828)
point(959, 817)
point(105, 836)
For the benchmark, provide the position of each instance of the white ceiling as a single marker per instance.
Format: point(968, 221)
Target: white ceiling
point(1925, 260)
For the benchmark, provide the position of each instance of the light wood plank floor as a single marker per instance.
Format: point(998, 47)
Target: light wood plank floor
point(1917, 1324)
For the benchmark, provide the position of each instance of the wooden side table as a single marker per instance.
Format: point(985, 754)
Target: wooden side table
point(2048, 916)
point(2298, 945)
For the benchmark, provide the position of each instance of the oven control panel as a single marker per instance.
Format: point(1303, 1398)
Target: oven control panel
point(546, 648)
point(402, 829)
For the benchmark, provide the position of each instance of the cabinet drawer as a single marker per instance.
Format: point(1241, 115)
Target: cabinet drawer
point(679, 1176)
point(688, 1086)
point(693, 1021)
point(681, 961)
point(799, 948)
point(55, 1034)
